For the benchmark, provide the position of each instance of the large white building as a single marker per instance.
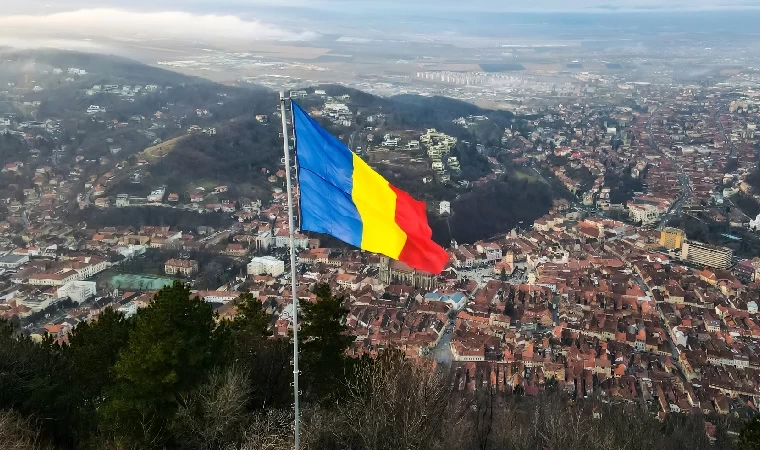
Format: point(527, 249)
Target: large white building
point(707, 255)
point(646, 214)
point(77, 291)
point(217, 296)
point(266, 265)
point(76, 269)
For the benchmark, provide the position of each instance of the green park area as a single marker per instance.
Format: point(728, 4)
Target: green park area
point(133, 282)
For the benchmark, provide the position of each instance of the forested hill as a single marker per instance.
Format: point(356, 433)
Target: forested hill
point(417, 111)
point(156, 128)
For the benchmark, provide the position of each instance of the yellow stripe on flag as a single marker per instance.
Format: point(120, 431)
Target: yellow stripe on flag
point(376, 203)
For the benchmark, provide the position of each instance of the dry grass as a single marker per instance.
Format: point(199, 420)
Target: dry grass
point(160, 150)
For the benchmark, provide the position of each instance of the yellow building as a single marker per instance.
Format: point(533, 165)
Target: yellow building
point(672, 238)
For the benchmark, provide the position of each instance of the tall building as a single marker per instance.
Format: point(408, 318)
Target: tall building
point(672, 238)
point(707, 255)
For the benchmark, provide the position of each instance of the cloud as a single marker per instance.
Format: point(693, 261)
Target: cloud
point(120, 23)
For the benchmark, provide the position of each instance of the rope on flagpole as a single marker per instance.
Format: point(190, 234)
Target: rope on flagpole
point(292, 231)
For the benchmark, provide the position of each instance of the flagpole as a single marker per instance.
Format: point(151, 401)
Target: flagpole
point(295, 163)
point(286, 149)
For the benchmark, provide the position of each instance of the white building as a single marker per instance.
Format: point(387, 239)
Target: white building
point(707, 255)
point(83, 267)
point(646, 214)
point(77, 291)
point(266, 265)
point(122, 200)
point(157, 196)
point(129, 310)
point(282, 239)
point(131, 251)
point(217, 296)
point(754, 225)
point(445, 207)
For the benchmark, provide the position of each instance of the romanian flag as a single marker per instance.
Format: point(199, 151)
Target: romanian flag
point(343, 197)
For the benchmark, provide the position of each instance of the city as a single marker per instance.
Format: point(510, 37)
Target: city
point(601, 218)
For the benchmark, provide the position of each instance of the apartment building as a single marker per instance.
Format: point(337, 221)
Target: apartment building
point(672, 238)
point(707, 255)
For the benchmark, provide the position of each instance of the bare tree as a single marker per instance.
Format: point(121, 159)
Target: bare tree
point(19, 433)
point(268, 431)
point(214, 414)
point(395, 403)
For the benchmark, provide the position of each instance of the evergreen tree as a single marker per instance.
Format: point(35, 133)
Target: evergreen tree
point(251, 321)
point(30, 378)
point(324, 344)
point(266, 361)
point(170, 352)
point(90, 358)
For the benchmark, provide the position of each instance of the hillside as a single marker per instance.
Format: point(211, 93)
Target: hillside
point(242, 155)
point(154, 128)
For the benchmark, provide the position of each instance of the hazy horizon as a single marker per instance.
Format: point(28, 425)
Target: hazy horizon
point(84, 27)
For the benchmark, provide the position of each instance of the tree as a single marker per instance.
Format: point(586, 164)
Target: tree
point(30, 380)
point(213, 415)
point(324, 344)
point(503, 276)
point(749, 439)
point(271, 430)
point(393, 403)
point(19, 433)
point(169, 353)
point(251, 321)
point(266, 361)
point(90, 357)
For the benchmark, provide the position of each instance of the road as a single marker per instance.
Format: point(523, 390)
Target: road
point(683, 178)
point(442, 351)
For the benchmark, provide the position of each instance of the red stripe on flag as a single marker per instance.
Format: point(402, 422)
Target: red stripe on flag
point(419, 252)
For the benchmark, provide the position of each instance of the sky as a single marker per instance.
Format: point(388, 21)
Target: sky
point(281, 20)
point(39, 7)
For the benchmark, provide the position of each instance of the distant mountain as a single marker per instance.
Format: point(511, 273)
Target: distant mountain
point(130, 71)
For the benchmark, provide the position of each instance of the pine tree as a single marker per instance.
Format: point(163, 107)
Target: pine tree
point(90, 358)
point(30, 378)
point(324, 344)
point(251, 321)
point(170, 352)
point(247, 343)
